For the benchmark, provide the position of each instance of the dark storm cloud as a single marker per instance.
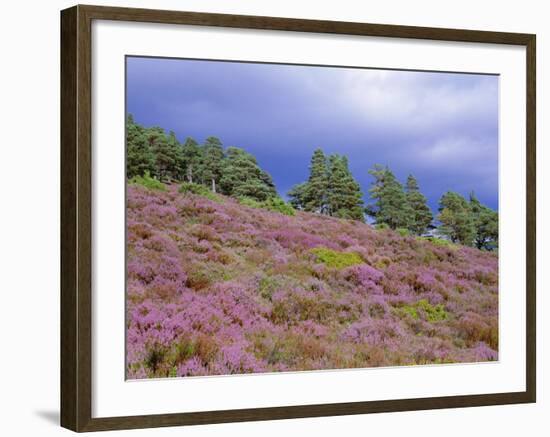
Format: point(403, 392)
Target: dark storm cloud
point(441, 127)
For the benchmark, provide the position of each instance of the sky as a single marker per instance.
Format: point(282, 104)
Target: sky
point(440, 127)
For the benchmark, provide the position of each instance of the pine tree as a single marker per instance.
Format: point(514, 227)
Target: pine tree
point(297, 195)
point(133, 130)
point(167, 153)
point(330, 189)
point(158, 143)
point(457, 220)
point(421, 215)
point(192, 157)
point(242, 177)
point(176, 151)
point(267, 180)
point(372, 209)
point(139, 156)
point(212, 161)
point(315, 192)
point(390, 206)
point(485, 223)
point(344, 197)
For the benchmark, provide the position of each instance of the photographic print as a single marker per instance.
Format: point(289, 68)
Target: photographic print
point(284, 218)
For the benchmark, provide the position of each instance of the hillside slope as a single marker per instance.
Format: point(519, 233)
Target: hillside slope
point(216, 287)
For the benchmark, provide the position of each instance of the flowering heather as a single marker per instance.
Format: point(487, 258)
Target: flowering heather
point(218, 287)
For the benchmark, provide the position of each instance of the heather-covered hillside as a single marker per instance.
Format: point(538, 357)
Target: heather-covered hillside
point(217, 287)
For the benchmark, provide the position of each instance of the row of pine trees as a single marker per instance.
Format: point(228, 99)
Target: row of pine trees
point(330, 188)
point(232, 171)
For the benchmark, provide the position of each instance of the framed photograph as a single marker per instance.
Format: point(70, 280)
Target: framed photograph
point(268, 218)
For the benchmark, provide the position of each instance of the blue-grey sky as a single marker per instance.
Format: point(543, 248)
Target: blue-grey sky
point(441, 127)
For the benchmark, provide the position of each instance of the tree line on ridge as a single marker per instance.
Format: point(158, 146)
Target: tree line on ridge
point(330, 188)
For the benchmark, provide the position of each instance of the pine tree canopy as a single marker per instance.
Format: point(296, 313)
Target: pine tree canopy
point(485, 223)
point(242, 177)
point(212, 161)
point(390, 202)
point(233, 171)
point(297, 195)
point(192, 157)
point(315, 194)
point(139, 156)
point(421, 214)
point(330, 189)
point(345, 199)
point(457, 221)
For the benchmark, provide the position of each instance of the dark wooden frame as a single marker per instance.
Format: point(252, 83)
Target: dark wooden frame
point(76, 218)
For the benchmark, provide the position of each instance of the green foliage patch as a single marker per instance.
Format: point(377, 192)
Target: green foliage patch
point(199, 190)
point(251, 203)
point(278, 205)
point(148, 182)
point(411, 311)
point(336, 260)
point(404, 232)
point(431, 313)
point(438, 242)
point(434, 313)
point(275, 204)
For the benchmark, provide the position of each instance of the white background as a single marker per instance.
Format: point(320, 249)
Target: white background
point(112, 396)
point(29, 90)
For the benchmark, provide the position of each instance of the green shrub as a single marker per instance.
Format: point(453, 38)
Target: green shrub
point(411, 311)
point(443, 243)
point(199, 190)
point(438, 242)
point(403, 232)
point(189, 187)
point(148, 182)
point(334, 259)
point(155, 357)
point(279, 205)
point(432, 313)
point(275, 204)
point(266, 287)
point(381, 226)
point(248, 201)
point(185, 349)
